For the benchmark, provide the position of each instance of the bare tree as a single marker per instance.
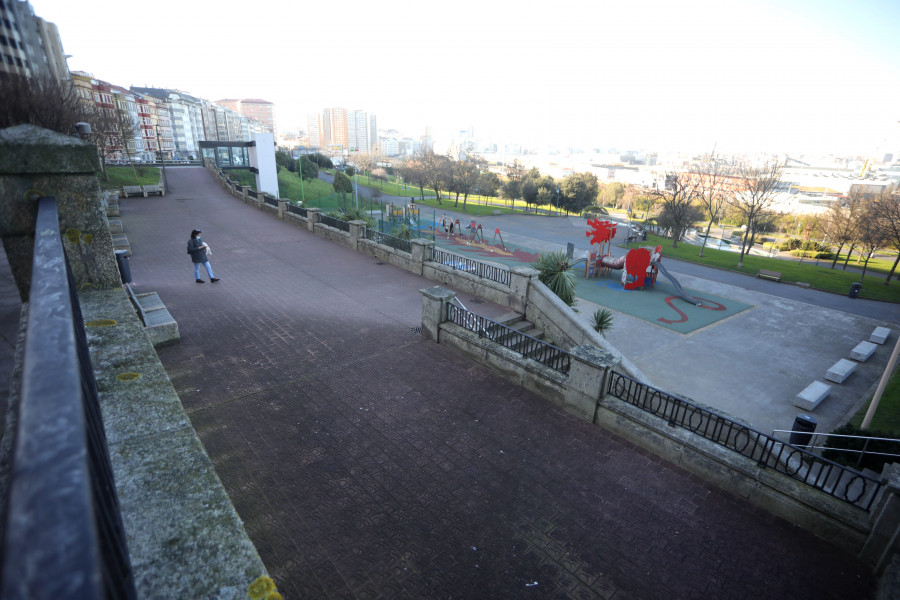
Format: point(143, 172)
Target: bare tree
point(41, 100)
point(413, 171)
point(758, 187)
point(712, 176)
point(871, 232)
point(840, 224)
point(437, 171)
point(677, 200)
point(888, 210)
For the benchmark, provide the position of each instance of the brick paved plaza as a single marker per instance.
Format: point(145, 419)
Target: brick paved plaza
point(367, 462)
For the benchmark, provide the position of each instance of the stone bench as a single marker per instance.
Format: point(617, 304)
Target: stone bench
point(120, 242)
point(812, 395)
point(115, 225)
point(880, 335)
point(153, 189)
point(133, 190)
point(158, 322)
point(496, 212)
point(841, 370)
point(863, 351)
point(773, 275)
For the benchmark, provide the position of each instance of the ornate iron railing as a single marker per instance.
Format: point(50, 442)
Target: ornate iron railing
point(64, 536)
point(336, 223)
point(473, 267)
point(836, 480)
point(387, 239)
point(297, 210)
point(270, 200)
point(529, 347)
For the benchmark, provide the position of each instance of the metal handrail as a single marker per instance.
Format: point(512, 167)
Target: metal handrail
point(297, 210)
point(838, 481)
point(387, 239)
point(64, 536)
point(336, 223)
point(473, 267)
point(862, 453)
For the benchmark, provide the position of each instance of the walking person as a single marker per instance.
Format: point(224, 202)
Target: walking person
point(197, 248)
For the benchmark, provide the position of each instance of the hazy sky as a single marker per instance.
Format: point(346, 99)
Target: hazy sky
point(781, 75)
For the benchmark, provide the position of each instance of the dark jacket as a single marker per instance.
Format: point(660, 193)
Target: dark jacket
point(198, 254)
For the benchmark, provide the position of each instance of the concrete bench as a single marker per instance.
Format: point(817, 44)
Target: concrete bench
point(812, 395)
point(841, 370)
point(153, 189)
point(496, 212)
point(863, 351)
point(773, 275)
point(158, 322)
point(120, 242)
point(115, 225)
point(880, 335)
point(133, 190)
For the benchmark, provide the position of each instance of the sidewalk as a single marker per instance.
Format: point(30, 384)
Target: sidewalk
point(368, 462)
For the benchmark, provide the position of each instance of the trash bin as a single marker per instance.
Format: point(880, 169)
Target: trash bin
point(644, 236)
point(124, 267)
point(854, 289)
point(804, 426)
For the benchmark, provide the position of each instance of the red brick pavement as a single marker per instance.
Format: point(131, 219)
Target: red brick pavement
point(370, 463)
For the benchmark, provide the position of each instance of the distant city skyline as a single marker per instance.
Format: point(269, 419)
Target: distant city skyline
point(795, 76)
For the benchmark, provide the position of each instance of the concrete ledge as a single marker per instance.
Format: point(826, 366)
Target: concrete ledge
point(880, 335)
point(863, 351)
point(841, 370)
point(115, 225)
point(812, 395)
point(184, 537)
point(120, 242)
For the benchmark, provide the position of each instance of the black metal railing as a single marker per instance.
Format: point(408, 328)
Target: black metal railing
point(529, 347)
point(473, 267)
point(64, 536)
point(387, 239)
point(270, 200)
point(836, 480)
point(253, 194)
point(297, 210)
point(336, 223)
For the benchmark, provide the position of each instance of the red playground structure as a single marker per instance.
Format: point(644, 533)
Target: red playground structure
point(638, 266)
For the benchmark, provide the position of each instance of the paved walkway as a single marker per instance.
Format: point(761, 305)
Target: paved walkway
point(370, 463)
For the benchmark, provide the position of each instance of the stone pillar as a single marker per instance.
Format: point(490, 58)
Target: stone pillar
point(312, 216)
point(357, 230)
point(519, 284)
point(421, 252)
point(246, 195)
point(36, 162)
point(587, 379)
point(434, 310)
point(282, 206)
point(884, 535)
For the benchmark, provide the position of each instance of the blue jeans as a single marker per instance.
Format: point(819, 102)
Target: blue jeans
point(208, 270)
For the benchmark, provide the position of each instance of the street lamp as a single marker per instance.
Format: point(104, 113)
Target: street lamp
point(163, 161)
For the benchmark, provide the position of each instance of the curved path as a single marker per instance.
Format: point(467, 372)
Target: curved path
point(367, 462)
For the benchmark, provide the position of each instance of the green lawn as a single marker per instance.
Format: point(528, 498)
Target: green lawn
point(121, 176)
point(819, 277)
point(887, 415)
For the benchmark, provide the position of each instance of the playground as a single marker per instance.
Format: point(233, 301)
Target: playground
point(629, 284)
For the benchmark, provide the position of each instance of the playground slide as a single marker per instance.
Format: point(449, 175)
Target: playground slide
point(677, 285)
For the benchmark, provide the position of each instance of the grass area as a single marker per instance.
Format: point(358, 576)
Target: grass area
point(887, 415)
point(819, 277)
point(121, 176)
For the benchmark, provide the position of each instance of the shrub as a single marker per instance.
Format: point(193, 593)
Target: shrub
point(870, 460)
point(556, 273)
point(791, 244)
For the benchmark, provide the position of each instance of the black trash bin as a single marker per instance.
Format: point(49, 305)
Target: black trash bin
point(854, 289)
point(124, 267)
point(644, 236)
point(804, 426)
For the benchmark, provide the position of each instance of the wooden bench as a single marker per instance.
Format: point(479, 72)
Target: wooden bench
point(812, 395)
point(154, 189)
point(133, 190)
point(773, 275)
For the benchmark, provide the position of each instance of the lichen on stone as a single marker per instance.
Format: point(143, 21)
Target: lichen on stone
point(101, 323)
point(127, 376)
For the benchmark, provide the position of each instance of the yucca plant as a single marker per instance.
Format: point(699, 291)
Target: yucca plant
point(602, 321)
point(557, 274)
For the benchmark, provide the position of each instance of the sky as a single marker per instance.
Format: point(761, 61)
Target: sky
point(783, 76)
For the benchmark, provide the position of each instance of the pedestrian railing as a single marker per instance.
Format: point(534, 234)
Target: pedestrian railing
point(297, 210)
point(333, 222)
point(529, 347)
point(270, 200)
point(836, 480)
point(473, 267)
point(253, 194)
point(64, 536)
point(387, 239)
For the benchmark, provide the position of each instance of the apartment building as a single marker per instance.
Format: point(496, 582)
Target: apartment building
point(261, 111)
point(29, 45)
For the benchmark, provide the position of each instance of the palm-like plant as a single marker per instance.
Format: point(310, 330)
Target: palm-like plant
point(602, 321)
point(556, 273)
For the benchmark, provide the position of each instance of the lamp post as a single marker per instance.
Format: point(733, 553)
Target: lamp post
point(162, 160)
